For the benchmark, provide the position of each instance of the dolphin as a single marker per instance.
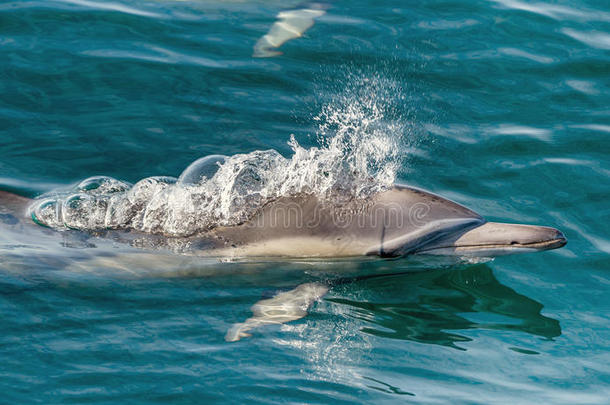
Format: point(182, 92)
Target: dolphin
point(397, 222)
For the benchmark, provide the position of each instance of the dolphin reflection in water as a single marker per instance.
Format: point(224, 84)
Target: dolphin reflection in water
point(431, 307)
point(398, 222)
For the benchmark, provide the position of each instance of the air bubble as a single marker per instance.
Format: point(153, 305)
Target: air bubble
point(46, 212)
point(201, 169)
point(102, 185)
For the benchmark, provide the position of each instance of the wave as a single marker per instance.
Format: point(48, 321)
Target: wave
point(357, 154)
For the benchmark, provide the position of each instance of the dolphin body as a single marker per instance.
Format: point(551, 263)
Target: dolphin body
point(396, 222)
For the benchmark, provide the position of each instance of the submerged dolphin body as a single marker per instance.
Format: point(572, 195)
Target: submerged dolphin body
point(397, 222)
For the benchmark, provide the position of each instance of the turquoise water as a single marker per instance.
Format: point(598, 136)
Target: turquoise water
point(501, 105)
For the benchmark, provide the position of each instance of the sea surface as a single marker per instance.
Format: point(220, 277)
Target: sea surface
point(503, 106)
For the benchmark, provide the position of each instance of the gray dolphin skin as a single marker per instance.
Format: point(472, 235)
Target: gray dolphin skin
point(397, 222)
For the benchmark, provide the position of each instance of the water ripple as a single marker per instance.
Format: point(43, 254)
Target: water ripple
point(595, 39)
point(158, 54)
point(556, 11)
point(110, 6)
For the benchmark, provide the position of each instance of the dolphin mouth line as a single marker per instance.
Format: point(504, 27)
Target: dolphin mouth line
point(543, 245)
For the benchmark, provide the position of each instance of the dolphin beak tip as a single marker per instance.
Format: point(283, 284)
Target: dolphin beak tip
point(560, 239)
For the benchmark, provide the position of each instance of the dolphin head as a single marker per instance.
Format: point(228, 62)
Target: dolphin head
point(418, 222)
point(495, 239)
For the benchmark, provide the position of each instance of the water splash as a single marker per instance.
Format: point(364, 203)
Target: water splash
point(358, 154)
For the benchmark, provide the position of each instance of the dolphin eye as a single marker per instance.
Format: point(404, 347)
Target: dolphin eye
point(514, 242)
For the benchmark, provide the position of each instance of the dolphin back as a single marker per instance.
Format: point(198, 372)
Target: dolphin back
point(392, 223)
point(12, 206)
